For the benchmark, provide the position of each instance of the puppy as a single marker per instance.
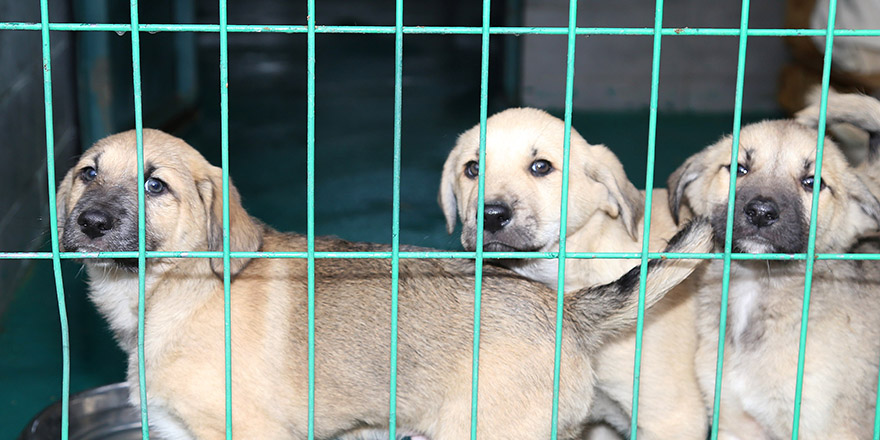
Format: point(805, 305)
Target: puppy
point(184, 348)
point(771, 214)
point(524, 151)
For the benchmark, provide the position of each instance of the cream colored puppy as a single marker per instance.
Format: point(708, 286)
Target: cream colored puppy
point(524, 151)
point(771, 214)
point(184, 320)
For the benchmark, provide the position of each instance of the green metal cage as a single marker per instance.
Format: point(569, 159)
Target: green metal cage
point(399, 30)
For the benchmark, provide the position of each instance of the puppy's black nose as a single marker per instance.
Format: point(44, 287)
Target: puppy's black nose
point(94, 223)
point(496, 216)
point(761, 212)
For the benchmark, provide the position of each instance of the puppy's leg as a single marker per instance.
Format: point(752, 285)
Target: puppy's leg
point(736, 424)
point(496, 421)
point(670, 402)
point(680, 419)
point(378, 434)
point(680, 415)
point(602, 432)
point(515, 393)
point(733, 421)
point(670, 408)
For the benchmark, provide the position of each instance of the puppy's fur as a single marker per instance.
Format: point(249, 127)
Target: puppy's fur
point(184, 352)
point(771, 214)
point(604, 215)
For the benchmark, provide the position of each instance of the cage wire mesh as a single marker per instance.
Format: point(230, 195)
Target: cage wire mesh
point(399, 31)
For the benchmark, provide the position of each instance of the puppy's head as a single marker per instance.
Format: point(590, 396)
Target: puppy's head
point(774, 187)
point(98, 208)
point(524, 157)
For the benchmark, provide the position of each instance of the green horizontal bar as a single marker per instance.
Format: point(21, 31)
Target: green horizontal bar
point(434, 255)
point(434, 30)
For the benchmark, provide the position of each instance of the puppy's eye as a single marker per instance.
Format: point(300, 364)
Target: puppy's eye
point(154, 186)
point(541, 168)
point(88, 174)
point(807, 183)
point(472, 169)
point(741, 169)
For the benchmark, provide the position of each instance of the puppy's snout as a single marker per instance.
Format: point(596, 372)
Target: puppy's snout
point(95, 223)
point(496, 216)
point(761, 212)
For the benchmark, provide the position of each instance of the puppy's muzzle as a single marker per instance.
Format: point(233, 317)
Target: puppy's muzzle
point(95, 223)
point(764, 223)
point(496, 216)
point(761, 212)
point(502, 231)
point(103, 221)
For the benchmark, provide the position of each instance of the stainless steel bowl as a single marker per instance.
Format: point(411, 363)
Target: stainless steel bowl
point(101, 413)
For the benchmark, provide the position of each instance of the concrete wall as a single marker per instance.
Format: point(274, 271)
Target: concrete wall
point(614, 72)
point(24, 197)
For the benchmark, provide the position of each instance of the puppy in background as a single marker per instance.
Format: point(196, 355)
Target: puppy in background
point(523, 182)
point(772, 208)
point(853, 121)
point(184, 320)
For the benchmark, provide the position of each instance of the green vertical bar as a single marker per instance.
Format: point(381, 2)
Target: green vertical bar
point(728, 233)
point(811, 243)
point(649, 198)
point(877, 412)
point(142, 261)
point(481, 193)
point(310, 208)
point(224, 154)
point(563, 213)
point(395, 221)
point(53, 219)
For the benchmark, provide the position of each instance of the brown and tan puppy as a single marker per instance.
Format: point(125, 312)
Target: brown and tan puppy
point(184, 353)
point(524, 151)
point(771, 214)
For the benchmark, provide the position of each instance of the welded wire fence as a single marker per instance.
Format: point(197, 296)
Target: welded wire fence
point(399, 30)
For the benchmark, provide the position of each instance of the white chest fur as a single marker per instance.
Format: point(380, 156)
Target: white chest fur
point(743, 301)
point(115, 294)
point(545, 271)
point(748, 285)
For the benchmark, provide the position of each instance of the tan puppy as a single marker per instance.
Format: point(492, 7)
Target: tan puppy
point(524, 151)
point(771, 214)
point(184, 316)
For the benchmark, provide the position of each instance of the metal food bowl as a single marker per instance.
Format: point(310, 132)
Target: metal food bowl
point(101, 413)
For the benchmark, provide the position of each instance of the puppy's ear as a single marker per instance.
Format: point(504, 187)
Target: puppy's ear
point(868, 203)
point(245, 233)
point(62, 200)
point(624, 199)
point(861, 111)
point(679, 180)
point(446, 198)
